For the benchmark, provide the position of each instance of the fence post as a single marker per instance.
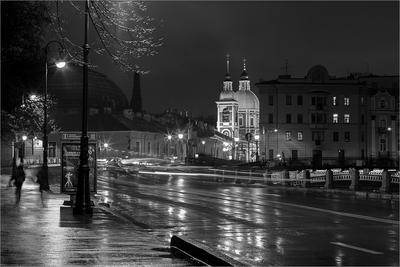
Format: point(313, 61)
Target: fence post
point(386, 178)
point(329, 179)
point(249, 181)
point(306, 178)
point(223, 175)
point(355, 179)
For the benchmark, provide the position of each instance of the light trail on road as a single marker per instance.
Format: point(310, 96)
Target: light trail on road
point(258, 225)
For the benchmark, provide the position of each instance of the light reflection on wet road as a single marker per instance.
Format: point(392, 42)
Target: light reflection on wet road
point(261, 226)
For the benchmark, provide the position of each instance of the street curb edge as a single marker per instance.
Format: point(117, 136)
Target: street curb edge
point(193, 249)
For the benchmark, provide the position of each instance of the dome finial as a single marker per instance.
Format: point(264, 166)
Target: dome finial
point(244, 64)
point(227, 63)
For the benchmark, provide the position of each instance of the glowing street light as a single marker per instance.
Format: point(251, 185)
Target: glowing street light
point(169, 137)
point(257, 137)
point(61, 64)
point(105, 145)
point(33, 97)
point(203, 142)
point(24, 137)
point(180, 136)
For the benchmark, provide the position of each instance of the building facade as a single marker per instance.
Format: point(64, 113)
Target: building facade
point(238, 113)
point(323, 120)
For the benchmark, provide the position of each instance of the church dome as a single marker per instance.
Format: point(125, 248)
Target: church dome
point(66, 85)
point(247, 100)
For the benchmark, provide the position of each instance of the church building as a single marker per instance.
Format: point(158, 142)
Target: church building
point(238, 116)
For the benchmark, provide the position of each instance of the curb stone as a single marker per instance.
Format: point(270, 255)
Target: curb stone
point(194, 250)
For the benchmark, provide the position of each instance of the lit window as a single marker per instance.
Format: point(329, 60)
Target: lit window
point(346, 118)
point(334, 101)
point(299, 136)
point(346, 101)
point(288, 136)
point(335, 118)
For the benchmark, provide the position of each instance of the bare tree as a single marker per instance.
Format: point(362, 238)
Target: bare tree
point(124, 31)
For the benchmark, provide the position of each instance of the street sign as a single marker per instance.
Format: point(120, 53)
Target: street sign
point(77, 136)
point(70, 165)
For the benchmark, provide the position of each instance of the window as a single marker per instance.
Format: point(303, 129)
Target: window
point(148, 147)
point(382, 144)
point(251, 121)
point(240, 119)
point(288, 136)
point(226, 114)
point(271, 154)
point(294, 154)
point(271, 100)
point(288, 118)
point(313, 100)
point(346, 136)
point(346, 118)
point(334, 101)
point(288, 100)
point(299, 118)
point(382, 103)
point(335, 118)
point(52, 150)
point(312, 118)
point(335, 136)
point(299, 136)
point(382, 123)
point(270, 118)
point(136, 148)
point(317, 136)
point(347, 101)
point(300, 100)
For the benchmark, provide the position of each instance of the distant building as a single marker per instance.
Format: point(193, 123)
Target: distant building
point(322, 120)
point(238, 114)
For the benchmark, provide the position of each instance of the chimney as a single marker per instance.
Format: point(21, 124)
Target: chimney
point(136, 100)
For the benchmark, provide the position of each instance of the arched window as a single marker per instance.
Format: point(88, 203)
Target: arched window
point(226, 114)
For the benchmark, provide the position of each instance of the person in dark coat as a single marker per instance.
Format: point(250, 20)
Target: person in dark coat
point(18, 181)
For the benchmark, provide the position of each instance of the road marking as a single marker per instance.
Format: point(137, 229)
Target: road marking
point(364, 217)
point(356, 248)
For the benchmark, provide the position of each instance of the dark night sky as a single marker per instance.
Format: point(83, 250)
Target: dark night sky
point(190, 67)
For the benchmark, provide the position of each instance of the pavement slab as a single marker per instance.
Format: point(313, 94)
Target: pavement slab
point(36, 233)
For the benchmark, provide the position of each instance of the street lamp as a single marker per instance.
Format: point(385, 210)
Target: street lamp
point(59, 63)
point(82, 201)
point(257, 137)
point(180, 136)
point(24, 138)
point(236, 140)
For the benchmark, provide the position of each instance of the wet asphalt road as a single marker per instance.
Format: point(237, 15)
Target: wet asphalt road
point(259, 225)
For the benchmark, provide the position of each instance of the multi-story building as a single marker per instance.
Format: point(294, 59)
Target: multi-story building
point(238, 116)
point(323, 120)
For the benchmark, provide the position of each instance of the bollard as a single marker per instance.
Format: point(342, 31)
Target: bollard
point(329, 179)
point(386, 178)
point(355, 179)
point(286, 178)
point(306, 179)
point(223, 176)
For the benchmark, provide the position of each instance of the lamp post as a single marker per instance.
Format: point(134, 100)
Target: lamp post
point(257, 137)
point(60, 64)
point(169, 137)
point(180, 136)
point(204, 146)
point(236, 140)
point(82, 201)
point(24, 137)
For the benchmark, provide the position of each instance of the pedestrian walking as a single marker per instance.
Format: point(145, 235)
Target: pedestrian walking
point(40, 181)
point(18, 181)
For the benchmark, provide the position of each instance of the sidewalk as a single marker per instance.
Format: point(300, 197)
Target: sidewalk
point(33, 234)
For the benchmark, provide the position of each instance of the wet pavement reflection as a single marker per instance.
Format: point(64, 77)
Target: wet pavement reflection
point(258, 225)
